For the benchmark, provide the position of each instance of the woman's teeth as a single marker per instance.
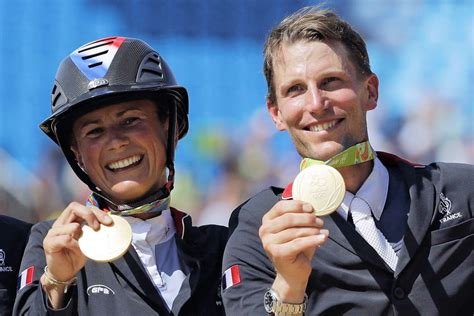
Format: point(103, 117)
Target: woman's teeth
point(124, 163)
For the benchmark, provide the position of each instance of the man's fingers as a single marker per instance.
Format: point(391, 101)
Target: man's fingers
point(290, 250)
point(290, 220)
point(286, 206)
point(290, 234)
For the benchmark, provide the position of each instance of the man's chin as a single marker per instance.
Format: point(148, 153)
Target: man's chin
point(323, 152)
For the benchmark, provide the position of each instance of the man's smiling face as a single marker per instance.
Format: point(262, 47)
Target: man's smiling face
point(321, 100)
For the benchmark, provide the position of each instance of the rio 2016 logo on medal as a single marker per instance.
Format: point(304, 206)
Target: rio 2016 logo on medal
point(320, 185)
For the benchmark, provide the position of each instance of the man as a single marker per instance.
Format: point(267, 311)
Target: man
point(14, 235)
point(281, 259)
point(117, 115)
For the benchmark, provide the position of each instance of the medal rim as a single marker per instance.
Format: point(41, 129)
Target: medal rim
point(127, 239)
point(296, 189)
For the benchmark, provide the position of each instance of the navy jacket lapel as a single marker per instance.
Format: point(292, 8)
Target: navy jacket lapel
point(423, 197)
point(133, 272)
point(344, 234)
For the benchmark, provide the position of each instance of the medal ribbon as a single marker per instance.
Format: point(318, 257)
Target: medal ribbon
point(154, 207)
point(354, 155)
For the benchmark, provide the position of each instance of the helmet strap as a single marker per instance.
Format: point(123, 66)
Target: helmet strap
point(170, 146)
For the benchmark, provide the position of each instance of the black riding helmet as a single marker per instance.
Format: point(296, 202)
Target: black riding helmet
point(107, 71)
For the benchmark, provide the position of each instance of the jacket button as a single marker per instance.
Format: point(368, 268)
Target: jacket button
point(399, 293)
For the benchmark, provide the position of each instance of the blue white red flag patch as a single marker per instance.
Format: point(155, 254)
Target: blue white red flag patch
point(231, 277)
point(25, 278)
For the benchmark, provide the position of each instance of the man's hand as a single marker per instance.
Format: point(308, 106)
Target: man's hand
point(290, 234)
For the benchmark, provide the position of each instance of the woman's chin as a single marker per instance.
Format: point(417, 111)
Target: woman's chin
point(127, 192)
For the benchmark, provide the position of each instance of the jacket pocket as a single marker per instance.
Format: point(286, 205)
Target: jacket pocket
point(458, 231)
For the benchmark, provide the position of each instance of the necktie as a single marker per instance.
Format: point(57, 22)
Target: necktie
point(365, 226)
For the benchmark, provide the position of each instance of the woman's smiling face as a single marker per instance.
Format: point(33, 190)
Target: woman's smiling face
point(122, 148)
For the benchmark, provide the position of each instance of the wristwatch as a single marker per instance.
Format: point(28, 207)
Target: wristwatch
point(274, 305)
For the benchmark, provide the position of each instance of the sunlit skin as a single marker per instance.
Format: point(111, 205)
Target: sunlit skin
point(105, 138)
point(321, 99)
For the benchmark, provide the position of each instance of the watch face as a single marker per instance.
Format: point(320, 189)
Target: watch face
point(268, 301)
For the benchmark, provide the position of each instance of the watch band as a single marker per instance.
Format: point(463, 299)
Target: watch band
point(288, 308)
point(274, 305)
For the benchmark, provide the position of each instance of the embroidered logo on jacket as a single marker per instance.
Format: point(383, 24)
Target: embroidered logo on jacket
point(3, 257)
point(445, 207)
point(99, 289)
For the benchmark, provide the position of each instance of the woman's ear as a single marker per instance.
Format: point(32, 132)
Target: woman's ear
point(276, 115)
point(78, 157)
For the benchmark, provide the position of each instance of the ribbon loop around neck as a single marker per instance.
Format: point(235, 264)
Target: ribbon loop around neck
point(353, 155)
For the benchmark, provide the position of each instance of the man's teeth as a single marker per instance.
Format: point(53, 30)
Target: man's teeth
point(124, 163)
point(322, 127)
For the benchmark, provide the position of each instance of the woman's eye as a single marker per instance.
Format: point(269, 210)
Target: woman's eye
point(130, 121)
point(94, 132)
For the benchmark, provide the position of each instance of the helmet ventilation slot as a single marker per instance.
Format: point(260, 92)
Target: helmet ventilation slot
point(150, 69)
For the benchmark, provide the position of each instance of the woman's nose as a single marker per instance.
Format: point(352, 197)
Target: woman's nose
point(117, 138)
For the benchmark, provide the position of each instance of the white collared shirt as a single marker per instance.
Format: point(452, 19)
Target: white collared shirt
point(374, 191)
point(154, 242)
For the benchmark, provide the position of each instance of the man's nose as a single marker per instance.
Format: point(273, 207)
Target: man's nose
point(315, 100)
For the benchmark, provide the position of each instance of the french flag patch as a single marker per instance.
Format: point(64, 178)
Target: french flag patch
point(25, 278)
point(231, 277)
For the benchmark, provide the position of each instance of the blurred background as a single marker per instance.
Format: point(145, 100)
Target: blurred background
point(422, 51)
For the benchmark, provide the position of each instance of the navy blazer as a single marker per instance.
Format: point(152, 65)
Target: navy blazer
point(434, 274)
point(13, 237)
point(123, 287)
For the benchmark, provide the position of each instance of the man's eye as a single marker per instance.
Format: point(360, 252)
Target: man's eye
point(330, 83)
point(294, 89)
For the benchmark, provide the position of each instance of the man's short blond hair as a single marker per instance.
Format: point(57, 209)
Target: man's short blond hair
point(313, 24)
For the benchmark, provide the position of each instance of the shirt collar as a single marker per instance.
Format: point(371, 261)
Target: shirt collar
point(154, 230)
point(374, 191)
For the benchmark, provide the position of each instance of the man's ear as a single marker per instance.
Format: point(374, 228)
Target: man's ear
point(276, 115)
point(373, 92)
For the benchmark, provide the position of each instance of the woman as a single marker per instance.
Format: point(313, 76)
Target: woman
point(117, 114)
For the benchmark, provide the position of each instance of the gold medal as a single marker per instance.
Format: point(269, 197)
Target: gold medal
point(320, 185)
point(108, 243)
